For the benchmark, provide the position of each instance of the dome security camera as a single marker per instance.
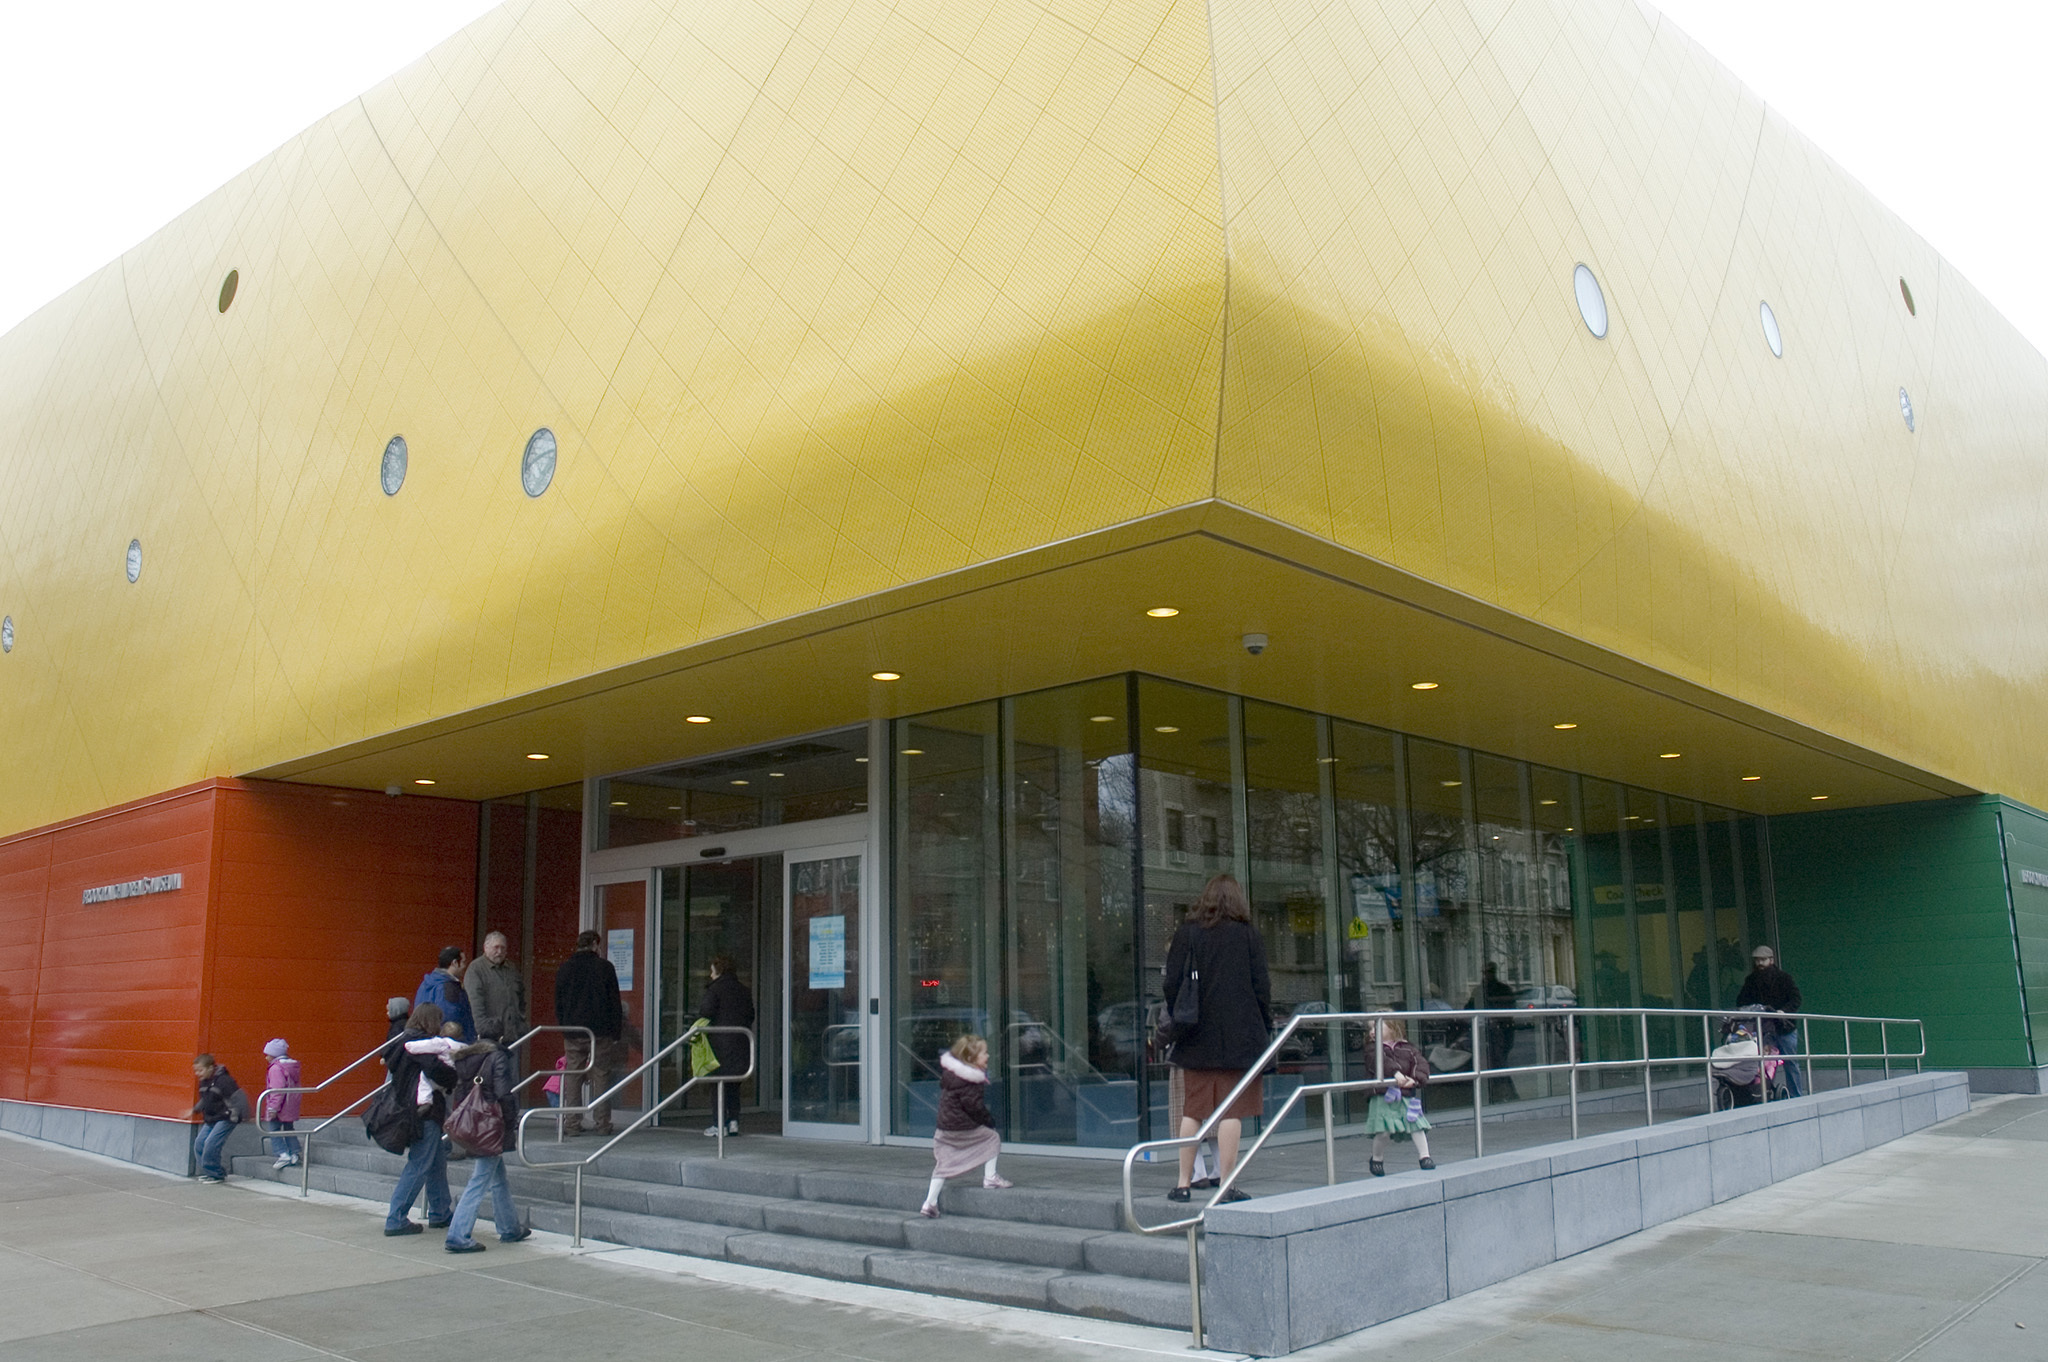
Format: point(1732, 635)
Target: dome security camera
point(393, 791)
point(1255, 644)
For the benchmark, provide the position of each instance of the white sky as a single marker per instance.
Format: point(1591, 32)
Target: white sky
point(117, 116)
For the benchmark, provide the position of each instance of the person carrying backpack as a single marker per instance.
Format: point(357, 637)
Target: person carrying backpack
point(423, 1081)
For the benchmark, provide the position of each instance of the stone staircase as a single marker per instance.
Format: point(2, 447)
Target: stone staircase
point(1041, 1248)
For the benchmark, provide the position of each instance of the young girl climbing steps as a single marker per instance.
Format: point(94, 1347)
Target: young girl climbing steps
point(967, 1133)
point(1397, 1111)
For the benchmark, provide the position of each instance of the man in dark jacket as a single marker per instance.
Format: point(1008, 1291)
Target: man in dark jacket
point(1770, 986)
point(727, 1002)
point(221, 1107)
point(587, 994)
point(442, 987)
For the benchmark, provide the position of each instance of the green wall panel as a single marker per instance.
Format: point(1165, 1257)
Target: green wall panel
point(2026, 845)
point(1902, 911)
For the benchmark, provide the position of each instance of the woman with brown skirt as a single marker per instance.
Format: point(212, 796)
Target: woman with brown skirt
point(1221, 952)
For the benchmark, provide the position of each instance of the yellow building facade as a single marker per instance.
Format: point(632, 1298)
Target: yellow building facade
point(944, 342)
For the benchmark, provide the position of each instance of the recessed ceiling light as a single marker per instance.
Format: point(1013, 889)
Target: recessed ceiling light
point(618, 803)
point(1752, 777)
point(1669, 755)
point(1818, 796)
point(913, 751)
point(1546, 802)
point(1450, 784)
point(741, 782)
point(536, 756)
point(1326, 761)
point(862, 760)
point(696, 718)
point(1162, 612)
point(775, 775)
point(1102, 718)
point(1422, 685)
point(886, 676)
point(1570, 829)
point(1562, 727)
point(423, 781)
point(675, 808)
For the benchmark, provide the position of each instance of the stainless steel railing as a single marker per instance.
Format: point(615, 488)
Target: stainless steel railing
point(646, 1065)
point(305, 1137)
point(1477, 1019)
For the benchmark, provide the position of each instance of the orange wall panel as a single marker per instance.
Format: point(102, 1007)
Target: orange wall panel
point(331, 901)
point(301, 910)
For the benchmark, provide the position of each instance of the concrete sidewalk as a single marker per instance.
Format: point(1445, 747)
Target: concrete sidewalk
point(1930, 1247)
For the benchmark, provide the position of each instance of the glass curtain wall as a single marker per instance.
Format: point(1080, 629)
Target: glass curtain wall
point(1048, 845)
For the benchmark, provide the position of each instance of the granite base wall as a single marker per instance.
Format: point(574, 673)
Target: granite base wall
point(1283, 1273)
point(153, 1142)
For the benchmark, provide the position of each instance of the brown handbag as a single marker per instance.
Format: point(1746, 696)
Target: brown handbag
point(477, 1124)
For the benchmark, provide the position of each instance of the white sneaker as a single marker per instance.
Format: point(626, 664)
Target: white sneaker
point(711, 1131)
point(284, 1161)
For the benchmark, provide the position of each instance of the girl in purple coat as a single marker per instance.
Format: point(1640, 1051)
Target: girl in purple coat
point(281, 1110)
point(966, 1133)
point(1396, 1113)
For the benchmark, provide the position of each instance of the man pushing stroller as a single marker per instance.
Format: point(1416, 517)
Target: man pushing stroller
point(1772, 988)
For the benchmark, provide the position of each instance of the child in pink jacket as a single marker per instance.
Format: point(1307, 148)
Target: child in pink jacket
point(281, 1110)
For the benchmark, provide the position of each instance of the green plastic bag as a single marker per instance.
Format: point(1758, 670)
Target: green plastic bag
point(702, 1061)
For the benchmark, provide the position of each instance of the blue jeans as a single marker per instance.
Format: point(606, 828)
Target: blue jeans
point(485, 1173)
point(206, 1147)
point(290, 1147)
point(1788, 1045)
point(426, 1165)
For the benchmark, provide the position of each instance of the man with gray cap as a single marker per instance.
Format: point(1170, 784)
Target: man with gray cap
point(1771, 987)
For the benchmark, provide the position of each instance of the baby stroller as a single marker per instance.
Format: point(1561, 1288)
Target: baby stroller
point(1744, 1062)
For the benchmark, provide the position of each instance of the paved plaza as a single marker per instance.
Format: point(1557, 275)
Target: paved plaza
point(1930, 1247)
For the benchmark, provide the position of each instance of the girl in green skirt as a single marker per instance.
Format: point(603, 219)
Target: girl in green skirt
point(1397, 1112)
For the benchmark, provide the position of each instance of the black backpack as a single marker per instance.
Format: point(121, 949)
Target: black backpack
point(392, 1120)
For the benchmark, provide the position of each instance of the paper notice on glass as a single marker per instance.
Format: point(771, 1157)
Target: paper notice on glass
point(828, 952)
point(618, 948)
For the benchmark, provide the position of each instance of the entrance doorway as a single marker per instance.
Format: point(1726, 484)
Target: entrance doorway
point(790, 921)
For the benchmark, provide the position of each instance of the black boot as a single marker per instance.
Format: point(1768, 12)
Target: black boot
point(1377, 1167)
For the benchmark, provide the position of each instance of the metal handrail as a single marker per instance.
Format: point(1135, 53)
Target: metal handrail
point(590, 1040)
point(1476, 1017)
point(578, 1165)
point(305, 1137)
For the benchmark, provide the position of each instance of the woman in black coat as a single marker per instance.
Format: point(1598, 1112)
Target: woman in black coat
point(1219, 947)
point(726, 1002)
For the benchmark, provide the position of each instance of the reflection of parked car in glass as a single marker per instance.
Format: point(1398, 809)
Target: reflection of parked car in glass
point(1547, 995)
point(929, 1031)
point(1122, 1029)
point(1307, 1042)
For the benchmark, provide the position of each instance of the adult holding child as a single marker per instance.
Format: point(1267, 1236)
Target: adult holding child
point(422, 1077)
point(1219, 954)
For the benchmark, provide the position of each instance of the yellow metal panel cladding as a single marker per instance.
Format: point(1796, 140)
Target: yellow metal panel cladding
point(818, 300)
point(1409, 188)
point(824, 304)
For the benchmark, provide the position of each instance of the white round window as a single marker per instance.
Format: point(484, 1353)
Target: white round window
point(1772, 336)
point(1906, 408)
point(537, 465)
point(1592, 302)
point(7, 634)
point(391, 474)
point(135, 560)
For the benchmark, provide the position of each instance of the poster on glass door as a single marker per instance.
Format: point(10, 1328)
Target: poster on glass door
point(828, 952)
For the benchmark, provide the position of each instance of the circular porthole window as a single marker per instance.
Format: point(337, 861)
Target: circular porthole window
point(1906, 408)
point(1907, 294)
point(1772, 336)
point(135, 560)
point(1592, 302)
point(7, 634)
point(391, 473)
point(537, 465)
point(228, 287)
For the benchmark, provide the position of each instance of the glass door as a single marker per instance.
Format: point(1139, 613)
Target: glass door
point(729, 909)
point(823, 1019)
